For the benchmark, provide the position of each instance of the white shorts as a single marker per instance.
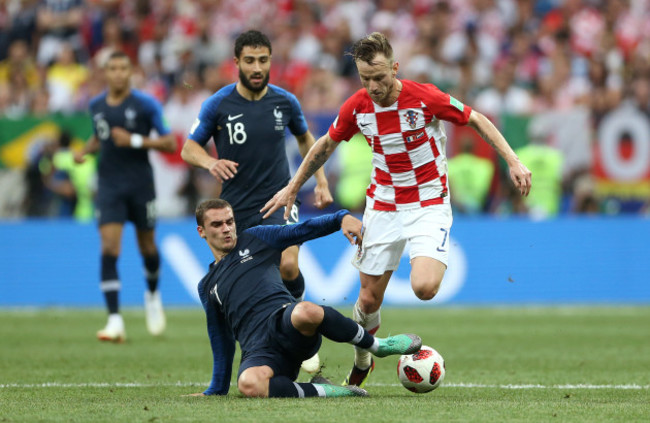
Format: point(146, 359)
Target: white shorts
point(385, 234)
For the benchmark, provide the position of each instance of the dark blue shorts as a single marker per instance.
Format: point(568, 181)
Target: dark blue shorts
point(137, 206)
point(276, 218)
point(284, 348)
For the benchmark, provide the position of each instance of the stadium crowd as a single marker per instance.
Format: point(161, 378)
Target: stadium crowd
point(562, 67)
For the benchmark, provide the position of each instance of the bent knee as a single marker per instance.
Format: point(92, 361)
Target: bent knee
point(306, 313)
point(252, 390)
point(370, 301)
point(110, 249)
point(426, 289)
point(254, 383)
point(289, 269)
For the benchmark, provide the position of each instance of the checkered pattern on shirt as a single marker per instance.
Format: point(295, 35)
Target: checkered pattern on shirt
point(408, 142)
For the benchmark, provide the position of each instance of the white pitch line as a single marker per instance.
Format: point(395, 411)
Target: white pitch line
point(189, 384)
point(531, 386)
point(98, 385)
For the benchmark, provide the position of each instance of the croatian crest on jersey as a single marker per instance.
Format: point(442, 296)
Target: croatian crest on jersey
point(411, 118)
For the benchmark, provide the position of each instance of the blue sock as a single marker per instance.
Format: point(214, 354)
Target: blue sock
point(110, 283)
point(339, 328)
point(152, 270)
point(283, 387)
point(296, 287)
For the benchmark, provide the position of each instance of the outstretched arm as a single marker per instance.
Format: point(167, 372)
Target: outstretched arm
point(322, 194)
point(519, 174)
point(283, 236)
point(315, 158)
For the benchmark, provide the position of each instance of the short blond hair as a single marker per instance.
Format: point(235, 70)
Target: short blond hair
point(367, 48)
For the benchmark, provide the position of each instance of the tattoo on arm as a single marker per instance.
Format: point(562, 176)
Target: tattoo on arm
point(482, 130)
point(319, 159)
point(487, 138)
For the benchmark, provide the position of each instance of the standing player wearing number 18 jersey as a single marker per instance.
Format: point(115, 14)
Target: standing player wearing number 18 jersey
point(248, 121)
point(408, 196)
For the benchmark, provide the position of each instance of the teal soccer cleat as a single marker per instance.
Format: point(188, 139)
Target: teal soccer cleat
point(398, 345)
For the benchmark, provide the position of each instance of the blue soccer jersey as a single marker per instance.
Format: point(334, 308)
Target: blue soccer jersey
point(125, 168)
point(252, 134)
point(242, 291)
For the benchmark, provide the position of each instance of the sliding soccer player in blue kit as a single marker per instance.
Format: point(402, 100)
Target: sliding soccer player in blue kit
point(245, 300)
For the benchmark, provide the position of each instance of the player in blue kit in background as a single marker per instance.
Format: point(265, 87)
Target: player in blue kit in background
point(248, 121)
point(245, 300)
point(122, 121)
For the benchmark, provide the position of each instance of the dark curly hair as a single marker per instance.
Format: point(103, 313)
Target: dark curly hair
point(251, 38)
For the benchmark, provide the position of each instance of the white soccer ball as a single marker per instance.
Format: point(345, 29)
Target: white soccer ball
point(422, 371)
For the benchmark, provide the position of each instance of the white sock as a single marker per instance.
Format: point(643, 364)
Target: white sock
point(370, 322)
point(373, 349)
point(115, 319)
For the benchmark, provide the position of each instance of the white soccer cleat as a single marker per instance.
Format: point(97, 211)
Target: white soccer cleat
point(311, 365)
point(154, 313)
point(114, 330)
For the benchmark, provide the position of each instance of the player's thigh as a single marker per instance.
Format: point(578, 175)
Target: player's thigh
point(111, 238)
point(267, 355)
point(289, 263)
point(382, 245)
point(141, 209)
point(285, 337)
point(428, 231)
point(254, 381)
point(110, 207)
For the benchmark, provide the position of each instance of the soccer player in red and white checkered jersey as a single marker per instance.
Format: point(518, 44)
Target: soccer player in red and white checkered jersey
point(408, 196)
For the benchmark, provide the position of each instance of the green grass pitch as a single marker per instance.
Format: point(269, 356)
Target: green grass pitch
point(563, 364)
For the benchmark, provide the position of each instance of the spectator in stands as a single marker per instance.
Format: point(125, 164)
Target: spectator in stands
point(80, 182)
point(546, 164)
point(58, 22)
point(504, 96)
point(354, 160)
point(58, 179)
point(64, 80)
point(18, 95)
point(470, 178)
point(566, 55)
point(39, 162)
point(19, 60)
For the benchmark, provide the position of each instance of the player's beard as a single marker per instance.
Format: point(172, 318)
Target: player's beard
point(247, 83)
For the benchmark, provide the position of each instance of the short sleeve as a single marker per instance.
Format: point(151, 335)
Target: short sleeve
point(157, 118)
point(345, 125)
point(298, 123)
point(444, 106)
point(205, 124)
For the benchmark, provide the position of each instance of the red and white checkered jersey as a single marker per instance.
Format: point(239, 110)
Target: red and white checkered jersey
point(408, 143)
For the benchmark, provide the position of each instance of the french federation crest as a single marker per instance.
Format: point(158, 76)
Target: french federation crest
point(130, 114)
point(411, 118)
point(279, 126)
